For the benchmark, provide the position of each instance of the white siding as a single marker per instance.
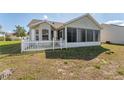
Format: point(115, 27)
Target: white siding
point(84, 23)
point(40, 27)
point(112, 33)
point(32, 35)
point(45, 26)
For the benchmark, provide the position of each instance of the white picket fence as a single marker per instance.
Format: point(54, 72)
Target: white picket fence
point(41, 45)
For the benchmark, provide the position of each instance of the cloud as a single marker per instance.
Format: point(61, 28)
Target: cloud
point(45, 17)
point(116, 22)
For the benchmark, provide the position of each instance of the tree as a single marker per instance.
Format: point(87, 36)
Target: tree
point(3, 33)
point(20, 31)
point(1, 29)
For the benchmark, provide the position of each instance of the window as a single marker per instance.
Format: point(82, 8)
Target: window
point(82, 35)
point(37, 38)
point(97, 35)
point(37, 35)
point(89, 35)
point(71, 35)
point(45, 34)
point(37, 31)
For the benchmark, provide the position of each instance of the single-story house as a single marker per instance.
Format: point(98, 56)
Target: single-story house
point(78, 32)
point(112, 33)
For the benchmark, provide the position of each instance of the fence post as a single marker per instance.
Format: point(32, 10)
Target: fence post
point(21, 45)
point(53, 43)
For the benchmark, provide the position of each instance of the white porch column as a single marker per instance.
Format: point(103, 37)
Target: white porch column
point(85, 35)
point(93, 36)
point(33, 35)
point(40, 34)
point(55, 35)
point(66, 37)
point(49, 34)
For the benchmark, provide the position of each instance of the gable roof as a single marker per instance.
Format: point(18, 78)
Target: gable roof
point(54, 24)
point(57, 25)
point(80, 17)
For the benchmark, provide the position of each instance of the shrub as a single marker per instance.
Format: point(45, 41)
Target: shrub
point(1, 38)
point(109, 52)
point(8, 38)
point(65, 62)
point(12, 38)
point(108, 42)
point(120, 71)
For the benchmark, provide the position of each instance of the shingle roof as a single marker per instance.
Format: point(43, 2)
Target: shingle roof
point(56, 25)
point(35, 22)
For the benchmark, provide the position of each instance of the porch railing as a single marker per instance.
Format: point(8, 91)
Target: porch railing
point(41, 45)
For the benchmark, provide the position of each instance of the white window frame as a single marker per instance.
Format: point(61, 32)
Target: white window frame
point(37, 35)
point(45, 34)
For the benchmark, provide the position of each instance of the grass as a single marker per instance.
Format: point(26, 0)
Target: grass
point(86, 53)
point(120, 70)
point(100, 62)
point(97, 66)
point(10, 47)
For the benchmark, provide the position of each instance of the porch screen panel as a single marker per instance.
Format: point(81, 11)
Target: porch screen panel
point(71, 35)
point(59, 34)
point(97, 35)
point(90, 35)
point(52, 35)
point(83, 37)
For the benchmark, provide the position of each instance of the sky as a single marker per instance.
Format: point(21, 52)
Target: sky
point(9, 20)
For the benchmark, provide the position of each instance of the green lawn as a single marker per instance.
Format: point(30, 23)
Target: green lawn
point(9, 47)
point(100, 62)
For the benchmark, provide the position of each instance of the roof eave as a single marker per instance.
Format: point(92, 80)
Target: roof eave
point(86, 15)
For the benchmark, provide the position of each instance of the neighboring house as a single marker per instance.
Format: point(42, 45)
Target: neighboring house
point(78, 32)
point(112, 33)
point(1, 35)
